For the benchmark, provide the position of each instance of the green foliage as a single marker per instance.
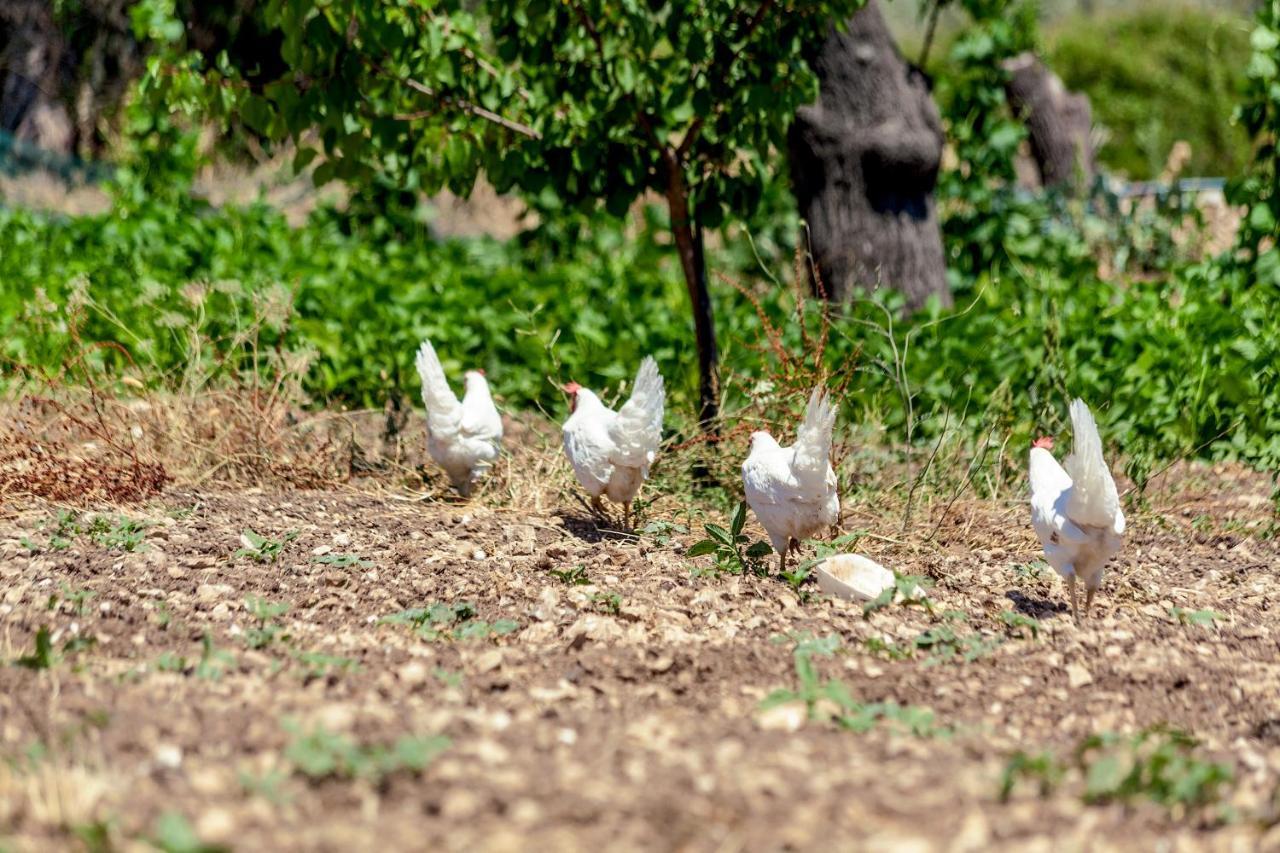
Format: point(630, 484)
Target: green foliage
point(115, 532)
point(832, 699)
point(1155, 75)
point(1198, 618)
point(732, 549)
point(342, 561)
point(1043, 768)
point(1157, 764)
point(1259, 114)
point(44, 656)
point(907, 591)
point(264, 613)
point(173, 834)
point(260, 549)
point(541, 97)
point(320, 665)
point(214, 662)
point(319, 754)
point(451, 621)
point(1018, 624)
point(574, 576)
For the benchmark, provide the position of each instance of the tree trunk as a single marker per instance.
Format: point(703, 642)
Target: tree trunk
point(1058, 122)
point(688, 239)
point(864, 163)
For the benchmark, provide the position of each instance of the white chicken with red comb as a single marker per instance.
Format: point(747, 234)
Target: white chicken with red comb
point(1075, 507)
point(611, 451)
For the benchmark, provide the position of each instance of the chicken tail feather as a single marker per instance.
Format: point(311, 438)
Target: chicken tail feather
point(1094, 500)
point(813, 441)
point(637, 431)
point(438, 398)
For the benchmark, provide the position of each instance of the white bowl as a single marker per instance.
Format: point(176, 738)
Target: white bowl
point(853, 576)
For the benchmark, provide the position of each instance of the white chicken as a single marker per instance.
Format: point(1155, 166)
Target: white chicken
point(611, 451)
point(792, 490)
point(464, 438)
point(1075, 509)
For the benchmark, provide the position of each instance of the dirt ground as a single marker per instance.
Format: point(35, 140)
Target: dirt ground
point(623, 708)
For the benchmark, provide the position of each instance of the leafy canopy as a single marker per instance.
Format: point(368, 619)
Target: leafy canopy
point(572, 102)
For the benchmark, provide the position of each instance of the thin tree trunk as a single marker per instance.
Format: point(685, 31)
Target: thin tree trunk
point(688, 239)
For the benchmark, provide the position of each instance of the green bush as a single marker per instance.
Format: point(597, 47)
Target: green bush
point(1157, 75)
point(1186, 363)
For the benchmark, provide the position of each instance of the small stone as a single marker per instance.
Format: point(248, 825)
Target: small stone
point(176, 572)
point(788, 717)
point(168, 755)
point(1078, 676)
point(215, 825)
point(489, 661)
point(478, 554)
point(413, 673)
point(212, 591)
point(342, 540)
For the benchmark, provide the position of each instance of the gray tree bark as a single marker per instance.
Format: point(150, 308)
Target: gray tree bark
point(864, 163)
point(1058, 122)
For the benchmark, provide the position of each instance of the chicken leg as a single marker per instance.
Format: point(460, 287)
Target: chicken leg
point(1088, 600)
point(1075, 600)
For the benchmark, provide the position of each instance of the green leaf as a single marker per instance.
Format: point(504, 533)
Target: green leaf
point(702, 548)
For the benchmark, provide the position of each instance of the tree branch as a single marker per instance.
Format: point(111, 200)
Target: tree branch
point(466, 106)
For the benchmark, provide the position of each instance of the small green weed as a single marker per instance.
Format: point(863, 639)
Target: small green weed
point(121, 534)
point(267, 786)
point(450, 621)
point(170, 662)
point(319, 754)
point(1020, 624)
point(173, 834)
point(214, 662)
point(607, 602)
point(1031, 571)
point(447, 678)
point(260, 549)
point(831, 699)
point(733, 551)
point(78, 598)
point(264, 612)
point(907, 591)
point(944, 644)
point(1157, 764)
point(576, 576)
point(44, 656)
point(1043, 769)
point(1198, 618)
point(662, 531)
point(320, 665)
point(343, 561)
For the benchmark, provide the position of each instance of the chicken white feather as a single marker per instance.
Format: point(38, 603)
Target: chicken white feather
point(792, 490)
point(1075, 509)
point(611, 451)
point(464, 438)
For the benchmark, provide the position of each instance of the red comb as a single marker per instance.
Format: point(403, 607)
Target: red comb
point(572, 387)
point(1044, 441)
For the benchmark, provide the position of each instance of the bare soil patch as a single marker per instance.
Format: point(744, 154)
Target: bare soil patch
point(620, 713)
